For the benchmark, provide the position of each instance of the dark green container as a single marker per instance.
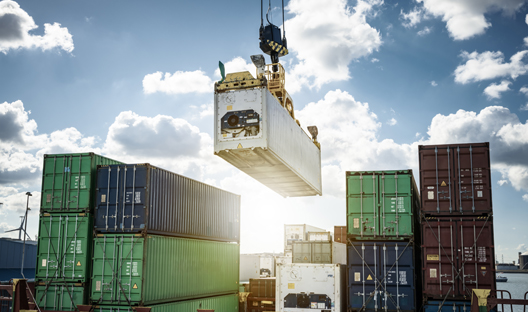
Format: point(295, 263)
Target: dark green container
point(382, 205)
point(226, 303)
point(69, 181)
point(64, 247)
point(133, 269)
point(63, 297)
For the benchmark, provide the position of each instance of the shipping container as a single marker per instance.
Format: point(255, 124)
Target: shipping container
point(317, 287)
point(64, 247)
point(382, 205)
point(382, 276)
point(283, 260)
point(254, 133)
point(447, 306)
point(339, 253)
point(340, 234)
point(69, 181)
point(267, 265)
point(11, 258)
point(312, 252)
point(262, 287)
point(297, 233)
point(318, 237)
point(249, 267)
point(225, 303)
point(143, 198)
point(458, 256)
point(134, 269)
point(455, 179)
point(63, 297)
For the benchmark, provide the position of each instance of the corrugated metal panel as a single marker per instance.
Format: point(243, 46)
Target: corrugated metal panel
point(381, 276)
point(312, 252)
point(262, 287)
point(65, 247)
point(159, 269)
point(382, 204)
point(249, 267)
point(447, 306)
point(455, 179)
point(226, 303)
point(339, 253)
point(288, 164)
point(340, 234)
point(69, 181)
point(458, 256)
point(63, 297)
point(144, 198)
point(11, 255)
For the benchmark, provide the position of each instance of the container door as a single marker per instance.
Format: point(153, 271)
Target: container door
point(362, 205)
point(50, 247)
point(437, 180)
point(302, 252)
point(363, 270)
point(76, 258)
point(473, 183)
point(130, 270)
point(59, 297)
point(396, 211)
point(106, 253)
point(321, 252)
point(397, 286)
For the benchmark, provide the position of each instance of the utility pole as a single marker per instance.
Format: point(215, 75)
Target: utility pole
point(25, 233)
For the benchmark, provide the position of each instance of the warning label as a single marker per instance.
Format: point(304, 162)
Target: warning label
point(443, 183)
point(291, 285)
point(369, 278)
point(239, 145)
point(78, 263)
point(433, 258)
point(135, 286)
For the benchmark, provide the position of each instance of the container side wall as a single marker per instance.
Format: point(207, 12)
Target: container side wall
point(340, 234)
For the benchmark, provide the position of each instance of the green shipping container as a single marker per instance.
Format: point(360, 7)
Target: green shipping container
point(133, 269)
point(63, 297)
point(382, 205)
point(69, 181)
point(226, 303)
point(64, 252)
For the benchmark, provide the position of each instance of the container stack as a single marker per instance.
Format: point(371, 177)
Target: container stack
point(382, 241)
point(164, 241)
point(456, 224)
point(65, 237)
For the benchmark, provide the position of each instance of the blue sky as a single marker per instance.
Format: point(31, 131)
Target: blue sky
point(134, 81)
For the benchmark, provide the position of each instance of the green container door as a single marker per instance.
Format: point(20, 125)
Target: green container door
point(362, 204)
point(156, 269)
point(64, 297)
point(382, 205)
point(64, 247)
point(68, 181)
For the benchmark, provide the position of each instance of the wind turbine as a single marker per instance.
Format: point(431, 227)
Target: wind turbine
point(24, 220)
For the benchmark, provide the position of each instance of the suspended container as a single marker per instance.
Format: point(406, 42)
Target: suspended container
point(259, 136)
point(64, 247)
point(458, 256)
point(382, 205)
point(455, 179)
point(63, 297)
point(134, 270)
point(143, 198)
point(382, 276)
point(69, 181)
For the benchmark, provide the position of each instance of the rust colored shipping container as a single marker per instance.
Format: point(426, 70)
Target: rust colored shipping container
point(455, 179)
point(458, 256)
point(262, 287)
point(340, 234)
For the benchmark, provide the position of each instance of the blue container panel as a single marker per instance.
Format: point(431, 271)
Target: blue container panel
point(447, 306)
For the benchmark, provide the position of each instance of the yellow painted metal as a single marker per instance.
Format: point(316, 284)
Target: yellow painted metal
point(277, 87)
point(239, 80)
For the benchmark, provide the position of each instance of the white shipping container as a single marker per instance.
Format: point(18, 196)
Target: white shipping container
point(283, 260)
point(297, 233)
point(308, 287)
point(319, 237)
point(254, 133)
point(339, 253)
point(249, 267)
point(267, 263)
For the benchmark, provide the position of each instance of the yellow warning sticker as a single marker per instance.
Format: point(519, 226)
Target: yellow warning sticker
point(305, 258)
point(443, 183)
point(135, 286)
point(229, 107)
point(291, 285)
point(224, 135)
point(239, 145)
point(369, 278)
point(433, 258)
point(78, 263)
point(482, 268)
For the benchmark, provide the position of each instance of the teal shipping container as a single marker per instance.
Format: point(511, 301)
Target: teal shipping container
point(63, 297)
point(382, 205)
point(131, 269)
point(64, 247)
point(69, 181)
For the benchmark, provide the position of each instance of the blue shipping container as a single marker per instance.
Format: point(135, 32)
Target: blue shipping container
point(381, 275)
point(143, 198)
point(11, 258)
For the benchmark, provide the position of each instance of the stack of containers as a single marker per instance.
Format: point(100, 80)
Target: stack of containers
point(164, 241)
point(383, 243)
point(318, 248)
point(65, 237)
point(457, 223)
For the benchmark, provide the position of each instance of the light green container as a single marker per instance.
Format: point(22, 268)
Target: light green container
point(63, 297)
point(64, 247)
point(69, 181)
point(226, 303)
point(382, 205)
point(133, 269)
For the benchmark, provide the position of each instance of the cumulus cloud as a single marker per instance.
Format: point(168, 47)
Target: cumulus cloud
point(524, 107)
point(425, 31)
point(434, 84)
point(493, 91)
point(15, 28)
point(178, 83)
point(413, 17)
point(374, 60)
point(502, 182)
point(341, 34)
point(525, 197)
point(466, 18)
point(392, 122)
point(237, 64)
point(489, 65)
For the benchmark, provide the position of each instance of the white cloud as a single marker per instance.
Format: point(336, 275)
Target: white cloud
point(521, 247)
point(178, 83)
point(526, 19)
point(524, 107)
point(525, 197)
point(434, 84)
point(489, 65)
point(493, 91)
point(502, 182)
point(374, 60)
point(524, 90)
point(392, 122)
point(340, 33)
point(237, 64)
point(525, 40)
point(466, 18)
point(414, 17)
point(425, 31)
point(15, 25)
